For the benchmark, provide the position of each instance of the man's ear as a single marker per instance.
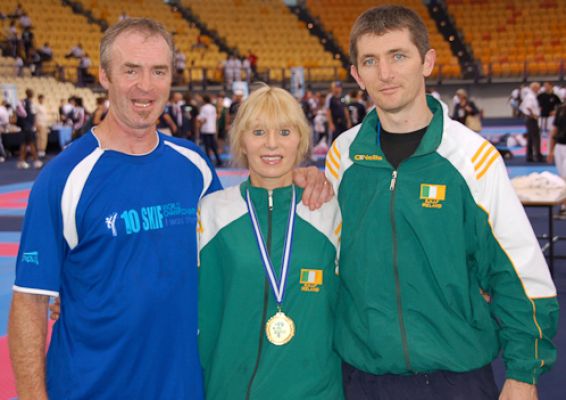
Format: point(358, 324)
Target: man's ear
point(354, 73)
point(428, 64)
point(103, 78)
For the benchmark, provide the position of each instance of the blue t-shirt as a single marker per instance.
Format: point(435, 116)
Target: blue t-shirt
point(115, 236)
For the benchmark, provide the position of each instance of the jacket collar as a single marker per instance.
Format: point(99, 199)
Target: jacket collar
point(365, 150)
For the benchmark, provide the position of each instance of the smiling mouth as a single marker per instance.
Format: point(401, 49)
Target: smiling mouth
point(271, 159)
point(142, 103)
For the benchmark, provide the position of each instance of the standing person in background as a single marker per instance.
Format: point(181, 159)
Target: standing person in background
point(557, 148)
point(466, 112)
point(42, 126)
point(237, 99)
point(531, 111)
point(412, 320)
point(100, 111)
point(26, 113)
point(4, 123)
point(176, 112)
point(180, 65)
point(337, 113)
point(79, 116)
point(190, 112)
point(222, 107)
point(166, 124)
point(282, 348)
point(207, 122)
point(548, 102)
point(357, 107)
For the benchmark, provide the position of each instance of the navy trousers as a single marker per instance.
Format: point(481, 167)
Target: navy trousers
point(477, 384)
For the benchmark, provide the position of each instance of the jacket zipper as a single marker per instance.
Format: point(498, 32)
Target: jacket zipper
point(265, 297)
point(402, 328)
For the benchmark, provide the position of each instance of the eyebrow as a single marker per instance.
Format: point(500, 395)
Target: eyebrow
point(392, 51)
point(133, 65)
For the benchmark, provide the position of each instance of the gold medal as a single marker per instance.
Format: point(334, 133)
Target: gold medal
point(280, 329)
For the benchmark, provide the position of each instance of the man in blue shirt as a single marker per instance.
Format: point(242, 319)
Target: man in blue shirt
point(111, 230)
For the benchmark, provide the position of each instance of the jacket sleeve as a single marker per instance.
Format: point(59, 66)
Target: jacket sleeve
point(210, 295)
point(513, 270)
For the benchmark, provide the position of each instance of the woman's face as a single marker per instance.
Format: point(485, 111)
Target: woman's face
point(271, 155)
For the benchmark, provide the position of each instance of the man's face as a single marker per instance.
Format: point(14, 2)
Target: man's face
point(390, 68)
point(336, 90)
point(138, 80)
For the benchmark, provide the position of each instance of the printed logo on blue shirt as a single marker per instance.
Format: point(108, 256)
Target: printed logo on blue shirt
point(31, 257)
point(111, 223)
point(151, 218)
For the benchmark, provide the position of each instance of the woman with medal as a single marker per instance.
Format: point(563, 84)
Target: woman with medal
point(268, 270)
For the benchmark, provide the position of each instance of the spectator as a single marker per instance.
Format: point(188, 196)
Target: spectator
point(46, 52)
point(531, 110)
point(13, 39)
point(4, 123)
point(357, 107)
point(548, 102)
point(25, 21)
point(207, 121)
point(27, 41)
point(190, 112)
point(557, 148)
point(222, 109)
point(76, 52)
point(234, 106)
point(41, 122)
point(166, 124)
point(66, 111)
point(180, 65)
point(337, 113)
point(230, 71)
point(18, 11)
point(246, 67)
point(176, 112)
point(253, 63)
point(466, 112)
point(83, 76)
point(26, 112)
point(515, 102)
point(78, 117)
point(100, 111)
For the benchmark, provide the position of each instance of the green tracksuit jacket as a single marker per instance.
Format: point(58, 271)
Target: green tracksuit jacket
point(235, 299)
point(418, 246)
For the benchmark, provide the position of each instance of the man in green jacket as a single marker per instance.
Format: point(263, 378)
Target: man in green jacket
point(440, 269)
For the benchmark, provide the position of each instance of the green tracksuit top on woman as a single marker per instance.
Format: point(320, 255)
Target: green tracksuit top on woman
point(236, 299)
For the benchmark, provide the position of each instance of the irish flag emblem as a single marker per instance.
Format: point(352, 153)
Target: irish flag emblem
point(433, 192)
point(311, 279)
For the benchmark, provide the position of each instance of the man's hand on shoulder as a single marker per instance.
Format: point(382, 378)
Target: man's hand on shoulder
point(317, 190)
point(516, 390)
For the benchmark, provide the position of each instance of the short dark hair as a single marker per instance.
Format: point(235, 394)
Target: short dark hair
point(383, 19)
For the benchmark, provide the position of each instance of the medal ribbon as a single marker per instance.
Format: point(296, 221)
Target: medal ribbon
point(278, 287)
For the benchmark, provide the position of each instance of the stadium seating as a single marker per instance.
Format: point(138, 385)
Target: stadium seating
point(338, 16)
point(514, 35)
point(54, 23)
point(272, 32)
point(185, 36)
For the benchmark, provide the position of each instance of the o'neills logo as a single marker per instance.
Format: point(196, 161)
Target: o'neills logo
point(367, 157)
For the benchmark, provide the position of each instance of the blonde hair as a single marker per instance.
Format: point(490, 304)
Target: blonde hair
point(270, 108)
